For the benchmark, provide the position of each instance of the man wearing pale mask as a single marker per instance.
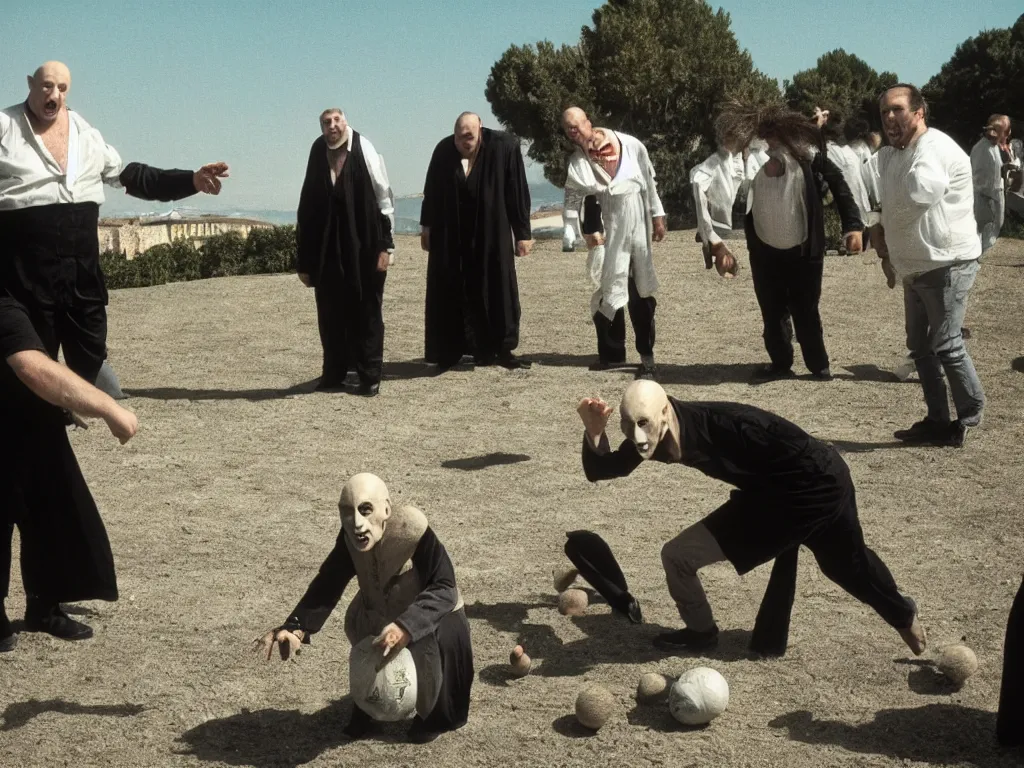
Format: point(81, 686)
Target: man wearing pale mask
point(791, 490)
point(53, 166)
point(345, 244)
point(990, 159)
point(407, 598)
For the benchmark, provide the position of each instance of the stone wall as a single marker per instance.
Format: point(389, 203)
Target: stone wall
point(134, 236)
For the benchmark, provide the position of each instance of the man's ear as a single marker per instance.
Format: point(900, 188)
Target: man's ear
point(31, 82)
point(387, 509)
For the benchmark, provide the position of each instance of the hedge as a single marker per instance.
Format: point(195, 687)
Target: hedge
point(265, 251)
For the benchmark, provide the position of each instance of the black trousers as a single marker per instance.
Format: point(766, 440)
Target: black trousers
point(788, 289)
point(351, 329)
point(594, 560)
point(65, 552)
point(1010, 722)
point(611, 334)
point(453, 641)
point(81, 331)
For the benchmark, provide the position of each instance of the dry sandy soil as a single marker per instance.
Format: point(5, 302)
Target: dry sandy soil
point(222, 508)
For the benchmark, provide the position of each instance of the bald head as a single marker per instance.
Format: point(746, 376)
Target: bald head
point(48, 88)
point(645, 412)
point(997, 130)
point(468, 128)
point(577, 126)
point(365, 507)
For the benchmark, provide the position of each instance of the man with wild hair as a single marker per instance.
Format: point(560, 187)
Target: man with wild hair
point(791, 490)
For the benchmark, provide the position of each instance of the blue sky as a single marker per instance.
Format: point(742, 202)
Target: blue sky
point(178, 83)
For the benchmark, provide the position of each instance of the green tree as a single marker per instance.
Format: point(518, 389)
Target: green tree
point(841, 82)
point(223, 255)
point(984, 76)
point(656, 69)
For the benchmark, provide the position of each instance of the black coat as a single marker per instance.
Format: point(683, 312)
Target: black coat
point(471, 274)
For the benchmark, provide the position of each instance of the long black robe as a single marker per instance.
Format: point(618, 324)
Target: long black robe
point(340, 234)
point(429, 614)
point(792, 489)
point(472, 294)
point(51, 265)
point(65, 553)
point(1010, 722)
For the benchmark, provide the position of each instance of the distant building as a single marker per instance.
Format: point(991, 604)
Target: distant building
point(132, 236)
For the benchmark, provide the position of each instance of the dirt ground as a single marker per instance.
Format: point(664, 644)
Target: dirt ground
point(222, 508)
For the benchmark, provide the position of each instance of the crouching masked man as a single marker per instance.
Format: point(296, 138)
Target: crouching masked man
point(407, 598)
point(791, 489)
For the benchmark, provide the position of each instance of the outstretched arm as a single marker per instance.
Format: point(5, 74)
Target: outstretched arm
point(324, 592)
point(148, 183)
point(599, 461)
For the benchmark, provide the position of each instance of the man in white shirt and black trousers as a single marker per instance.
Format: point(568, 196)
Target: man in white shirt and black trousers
point(53, 166)
point(785, 231)
point(929, 239)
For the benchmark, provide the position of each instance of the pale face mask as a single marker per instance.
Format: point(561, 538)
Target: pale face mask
point(644, 411)
point(365, 507)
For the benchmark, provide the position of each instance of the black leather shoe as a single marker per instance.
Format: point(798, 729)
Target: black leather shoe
point(687, 640)
point(513, 363)
point(924, 432)
point(368, 389)
point(53, 621)
point(647, 371)
point(823, 375)
point(605, 365)
point(330, 385)
point(421, 733)
point(633, 612)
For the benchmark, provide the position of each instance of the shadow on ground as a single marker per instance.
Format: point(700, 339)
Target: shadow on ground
point(20, 713)
point(471, 463)
point(255, 395)
point(941, 734)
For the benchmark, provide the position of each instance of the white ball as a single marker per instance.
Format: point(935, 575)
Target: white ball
point(698, 696)
point(387, 695)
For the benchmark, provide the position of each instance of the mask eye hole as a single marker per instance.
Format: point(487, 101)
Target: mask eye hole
point(365, 508)
point(642, 423)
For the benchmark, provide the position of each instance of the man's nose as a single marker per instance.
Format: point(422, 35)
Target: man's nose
point(639, 436)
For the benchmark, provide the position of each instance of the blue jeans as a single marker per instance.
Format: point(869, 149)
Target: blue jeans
point(934, 303)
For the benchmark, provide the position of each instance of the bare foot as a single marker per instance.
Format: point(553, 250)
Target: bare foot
point(915, 637)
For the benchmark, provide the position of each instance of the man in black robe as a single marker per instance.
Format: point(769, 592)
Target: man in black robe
point(475, 220)
point(345, 222)
point(791, 490)
point(407, 597)
point(1010, 722)
point(65, 554)
point(52, 173)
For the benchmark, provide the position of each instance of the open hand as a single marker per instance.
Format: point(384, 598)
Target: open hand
point(659, 229)
point(289, 641)
point(392, 639)
point(207, 179)
point(595, 413)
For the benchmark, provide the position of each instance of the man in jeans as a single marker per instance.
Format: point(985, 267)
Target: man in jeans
point(929, 239)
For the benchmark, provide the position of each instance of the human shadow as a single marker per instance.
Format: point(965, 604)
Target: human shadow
point(253, 395)
point(871, 373)
point(933, 733)
point(927, 680)
point(471, 463)
point(1018, 364)
point(403, 370)
point(610, 639)
point(20, 713)
point(706, 374)
point(277, 737)
point(855, 446)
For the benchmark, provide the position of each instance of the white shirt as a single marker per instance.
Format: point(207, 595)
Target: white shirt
point(850, 164)
point(715, 183)
point(378, 174)
point(780, 205)
point(989, 203)
point(927, 199)
point(30, 176)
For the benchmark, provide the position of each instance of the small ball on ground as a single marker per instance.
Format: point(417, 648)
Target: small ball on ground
point(573, 602)
point(698, 696)
point(564, 578)
point(594, 705)
point(957, 663)
point(652, 686)
point(519, 662)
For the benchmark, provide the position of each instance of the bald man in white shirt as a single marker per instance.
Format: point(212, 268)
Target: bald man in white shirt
point(53, 166)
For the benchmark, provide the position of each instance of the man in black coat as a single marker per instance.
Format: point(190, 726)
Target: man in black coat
point(475, 220)
point(345, 222)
